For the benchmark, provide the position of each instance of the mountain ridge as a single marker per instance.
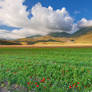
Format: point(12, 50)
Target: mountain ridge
point(83, 35)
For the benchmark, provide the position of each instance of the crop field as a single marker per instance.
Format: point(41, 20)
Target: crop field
point(46, 69)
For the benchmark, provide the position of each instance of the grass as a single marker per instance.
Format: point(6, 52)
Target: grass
point(47, 69)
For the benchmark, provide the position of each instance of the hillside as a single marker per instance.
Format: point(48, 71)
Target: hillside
point(80, 32)
point(5, 42)
point(42, 39)
point(84, 36)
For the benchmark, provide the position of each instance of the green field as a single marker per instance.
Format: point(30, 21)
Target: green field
point(46, 69)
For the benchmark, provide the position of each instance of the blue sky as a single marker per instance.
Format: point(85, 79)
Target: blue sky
point(82, 7)
point(77, 8)
point(18, 21)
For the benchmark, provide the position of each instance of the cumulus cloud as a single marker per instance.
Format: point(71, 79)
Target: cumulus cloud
point(16, 34)
point(85, 23)
point(48, 18)
point(4, 34)
point(13, 13)
point(43, 21)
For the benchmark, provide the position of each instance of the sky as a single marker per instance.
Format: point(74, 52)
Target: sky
point(24, 18)
point(77, 8)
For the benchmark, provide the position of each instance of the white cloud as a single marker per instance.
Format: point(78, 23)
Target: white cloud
point(44, 20)
point(58, 20)
point(85, 23)
point(4, 34)
point(13, 13)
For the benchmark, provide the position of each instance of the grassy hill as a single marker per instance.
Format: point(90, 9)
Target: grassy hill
point(84, 36)
point(5, 42)
point(82, 31)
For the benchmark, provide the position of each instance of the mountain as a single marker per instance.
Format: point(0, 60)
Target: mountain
point(60, 34)
point(83, 35)
point(6, 42)
point(57, 37)
point(82, 31)
point(34, 36)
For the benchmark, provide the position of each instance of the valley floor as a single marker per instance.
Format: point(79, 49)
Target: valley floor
point(45, 69)
point(51, 45)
